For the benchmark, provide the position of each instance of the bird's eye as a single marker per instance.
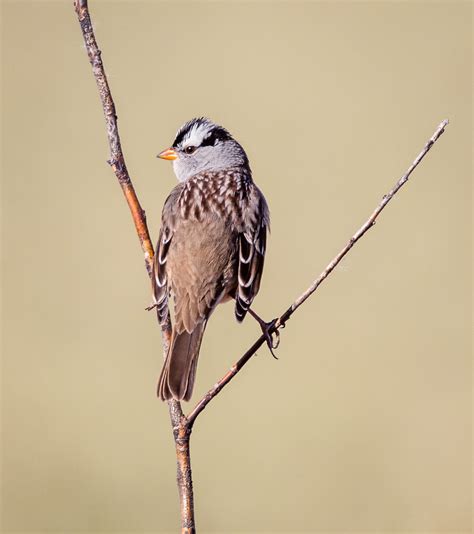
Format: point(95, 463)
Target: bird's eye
point(190, 149)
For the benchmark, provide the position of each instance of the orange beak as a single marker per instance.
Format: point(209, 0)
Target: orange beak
point(169, 153)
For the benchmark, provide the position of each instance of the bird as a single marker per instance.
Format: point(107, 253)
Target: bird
point(211, 245)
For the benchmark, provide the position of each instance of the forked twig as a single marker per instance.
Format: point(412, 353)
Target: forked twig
point(182, 426)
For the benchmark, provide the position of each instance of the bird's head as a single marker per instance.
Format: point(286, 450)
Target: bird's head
point(201, 145)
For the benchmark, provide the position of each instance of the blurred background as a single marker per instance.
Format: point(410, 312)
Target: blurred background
point(364, 422)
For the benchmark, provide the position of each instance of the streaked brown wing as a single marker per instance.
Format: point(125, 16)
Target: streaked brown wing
point(252, 245)
point(160, 278)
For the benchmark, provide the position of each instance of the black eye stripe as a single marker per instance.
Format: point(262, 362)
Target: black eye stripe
point(216, 134)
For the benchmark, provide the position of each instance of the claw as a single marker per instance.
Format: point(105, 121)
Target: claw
point(272, 343)
point(276, 343)
point(266, 327)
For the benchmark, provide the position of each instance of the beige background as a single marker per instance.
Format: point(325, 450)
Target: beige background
point(364, 423)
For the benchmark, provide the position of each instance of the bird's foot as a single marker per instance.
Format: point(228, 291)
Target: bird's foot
point(272, 338)
point(151, 306)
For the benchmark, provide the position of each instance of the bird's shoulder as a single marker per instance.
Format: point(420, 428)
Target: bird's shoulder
point(218, 193)
point(219, 183)
point(258, 206)
point(170, 211)
point(227, 194)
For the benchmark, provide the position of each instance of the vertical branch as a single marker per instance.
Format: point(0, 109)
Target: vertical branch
point(182, 435)
point(181, 431)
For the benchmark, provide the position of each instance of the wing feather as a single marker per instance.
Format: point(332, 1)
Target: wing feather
point(252, 244)
point(160, 277)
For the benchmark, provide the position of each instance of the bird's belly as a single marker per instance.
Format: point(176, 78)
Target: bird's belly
point(203, 254)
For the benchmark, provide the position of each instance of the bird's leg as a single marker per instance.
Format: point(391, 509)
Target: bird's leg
point(266, 327)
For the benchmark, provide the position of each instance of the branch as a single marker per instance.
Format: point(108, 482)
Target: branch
point(281, 321)
point(117, 162)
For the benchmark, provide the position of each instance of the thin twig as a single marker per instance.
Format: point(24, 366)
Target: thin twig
point(314, 286)
point(117, 160)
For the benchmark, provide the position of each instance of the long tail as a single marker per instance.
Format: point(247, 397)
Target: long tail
point(179, 370)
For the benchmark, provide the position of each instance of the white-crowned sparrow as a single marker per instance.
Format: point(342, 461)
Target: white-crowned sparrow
point(211, 245)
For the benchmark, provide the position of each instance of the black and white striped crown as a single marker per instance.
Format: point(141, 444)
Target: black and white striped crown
point(200, 132)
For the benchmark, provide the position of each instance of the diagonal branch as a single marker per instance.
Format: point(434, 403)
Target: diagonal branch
point(280, 323)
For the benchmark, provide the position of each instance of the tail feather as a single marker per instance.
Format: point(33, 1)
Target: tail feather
point(179, 370)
